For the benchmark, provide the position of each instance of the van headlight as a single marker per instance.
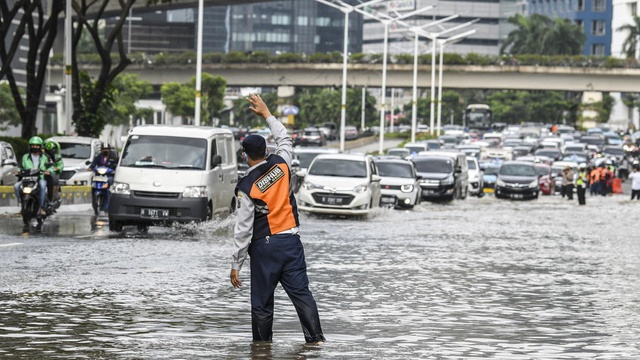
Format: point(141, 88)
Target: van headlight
point(407, 188)
point(360, 189)
point(448, 180)
point(533, 184)
point(120, 188)
point(195, 192)
point(500, 183)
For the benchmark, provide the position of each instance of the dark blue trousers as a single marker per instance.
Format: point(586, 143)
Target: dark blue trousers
point(280, 259)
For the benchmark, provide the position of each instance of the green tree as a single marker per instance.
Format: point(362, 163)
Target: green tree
point(509, 107)
point(630, 44)
point(246, 118)
point(38, 24)
point(323, 105)
point(212, 96)
point(9, 115)
point(127, 90)
point(539, 34)
point(179, 99)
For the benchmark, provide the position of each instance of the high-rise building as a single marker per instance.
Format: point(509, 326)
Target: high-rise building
point(492, 25)
point(594, 16)
point(623, 13)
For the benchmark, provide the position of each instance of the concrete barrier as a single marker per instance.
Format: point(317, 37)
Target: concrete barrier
point(70, 195)
point(353, 144)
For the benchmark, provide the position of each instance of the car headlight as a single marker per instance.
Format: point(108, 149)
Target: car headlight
point(360, 189)
point(407, 188)
point(448, 181)
point(500, 183)
point(120, 188)
point(310, 186)
point(194, 192)
point(533, 184)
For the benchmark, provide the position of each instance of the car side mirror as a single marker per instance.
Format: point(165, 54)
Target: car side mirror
point(215, 161)
point(301, 173)
point(375, 178)
point(418, 177)
point(8, 162)
point(458, 171)
point(87, 162)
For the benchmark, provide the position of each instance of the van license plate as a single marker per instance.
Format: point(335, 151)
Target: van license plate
point(154, 213)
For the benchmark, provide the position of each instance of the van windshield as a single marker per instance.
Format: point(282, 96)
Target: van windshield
point(165, 152)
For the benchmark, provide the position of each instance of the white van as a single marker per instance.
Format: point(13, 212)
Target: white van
point(172, 174)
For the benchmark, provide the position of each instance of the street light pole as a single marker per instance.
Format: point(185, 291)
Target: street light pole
point(68, 103)
point(198, 105)
point(346, 9)
point(442, 43)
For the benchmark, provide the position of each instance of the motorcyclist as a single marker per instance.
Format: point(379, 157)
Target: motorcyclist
point(35, 159)
point(52, 149)
point(106, 158)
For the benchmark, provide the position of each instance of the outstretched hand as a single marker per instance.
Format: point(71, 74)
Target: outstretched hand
point(258, 106)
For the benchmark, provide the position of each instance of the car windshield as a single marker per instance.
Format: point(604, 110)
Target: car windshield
point(543, 170)
point(491, 170)
point(433, 145)
point(517, 170)
point(75, 150)
point(551, 154)
point(337, 167)
point(614, 151)
point(574, 149)
point(306, 158)
point(592, 141)
point(414, 149)
point(400, 153)
point(442, 166)
point(471, 164)
point(394, 170)
point(165, 152)
point(449, 140)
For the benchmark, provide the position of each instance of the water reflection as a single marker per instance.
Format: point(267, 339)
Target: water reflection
point(475, 279)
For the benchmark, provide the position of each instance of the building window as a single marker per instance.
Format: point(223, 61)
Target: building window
point(303, 21)
point(598, 28)
point(599, 5)
point(323, 21)
point(280, 20)
point(597, 49)
point(581, 5)
point(633, 8)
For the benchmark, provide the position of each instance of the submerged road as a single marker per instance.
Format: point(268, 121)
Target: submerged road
point(480, 278)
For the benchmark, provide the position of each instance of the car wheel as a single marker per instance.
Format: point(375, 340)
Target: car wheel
point(143, 228)
point(114, 225)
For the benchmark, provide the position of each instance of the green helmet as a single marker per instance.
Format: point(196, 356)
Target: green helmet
point(36, 140)
point(50, 145)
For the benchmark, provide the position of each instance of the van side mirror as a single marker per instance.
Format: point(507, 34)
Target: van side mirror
point(8, 162)
point(458, 170)
point(87, 162)
point(418, 177)
point(375, 178)
point(216, 160)
point(295, 163)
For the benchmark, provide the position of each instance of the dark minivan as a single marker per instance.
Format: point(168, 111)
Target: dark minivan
point(517, 180)
point(444, 175)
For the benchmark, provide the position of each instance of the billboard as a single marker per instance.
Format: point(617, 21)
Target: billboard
point(401, 5)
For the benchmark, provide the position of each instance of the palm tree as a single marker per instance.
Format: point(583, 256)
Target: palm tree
point(564, 38)
point(631, 43)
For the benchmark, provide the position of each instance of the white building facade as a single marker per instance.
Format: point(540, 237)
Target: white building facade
point(624, 12)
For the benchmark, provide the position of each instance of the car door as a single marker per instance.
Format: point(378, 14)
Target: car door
point(229, 166)
point(214, 175)
point(375, 185)
point(8, 162)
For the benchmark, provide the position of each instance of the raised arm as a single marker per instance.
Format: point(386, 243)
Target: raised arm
point(284, 143)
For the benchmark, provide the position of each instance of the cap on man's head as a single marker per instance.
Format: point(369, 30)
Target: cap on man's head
point(254, 144)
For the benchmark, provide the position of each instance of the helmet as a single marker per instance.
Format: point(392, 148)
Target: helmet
point(36, 140)
point(105, 146)
point(608, 162)
point(582, 166)
point(50, 145)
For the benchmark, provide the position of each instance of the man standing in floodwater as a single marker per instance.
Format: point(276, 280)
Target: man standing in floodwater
point(267, 230)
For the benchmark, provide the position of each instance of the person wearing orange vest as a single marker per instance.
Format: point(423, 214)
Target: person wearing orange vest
point(267, 231)
point(594, 177)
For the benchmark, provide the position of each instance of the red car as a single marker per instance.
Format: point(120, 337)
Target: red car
point(547, 184)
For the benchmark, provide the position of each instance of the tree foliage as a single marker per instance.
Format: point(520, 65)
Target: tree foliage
point(180, 98)
point(246, 118)
point(323, 105)
point(630, 44)
point(9, 115)
point(38, 25)
point(516, 107)
point(127, 90)
point(539, 34)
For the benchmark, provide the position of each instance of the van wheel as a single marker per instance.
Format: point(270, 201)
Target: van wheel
point(115, 226)
point(143, 228)
point(209, 212)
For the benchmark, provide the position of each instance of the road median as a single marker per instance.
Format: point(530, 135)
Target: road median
point(69, 194)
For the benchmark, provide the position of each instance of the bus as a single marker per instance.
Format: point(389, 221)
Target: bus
point(478, 117)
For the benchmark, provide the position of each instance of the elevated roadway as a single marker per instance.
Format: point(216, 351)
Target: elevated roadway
point(398, 76)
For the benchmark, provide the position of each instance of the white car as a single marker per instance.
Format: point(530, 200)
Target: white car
point(340, 184)
point(76, 151)
point(399, 184)
point(476, 184)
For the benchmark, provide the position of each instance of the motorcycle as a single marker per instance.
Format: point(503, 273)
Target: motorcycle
point(100, 188)
point(29, 197)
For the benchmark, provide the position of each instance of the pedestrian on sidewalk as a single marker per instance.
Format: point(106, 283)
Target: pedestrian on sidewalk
point(267, 231)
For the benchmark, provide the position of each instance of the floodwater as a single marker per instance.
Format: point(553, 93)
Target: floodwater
point(480, 278)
